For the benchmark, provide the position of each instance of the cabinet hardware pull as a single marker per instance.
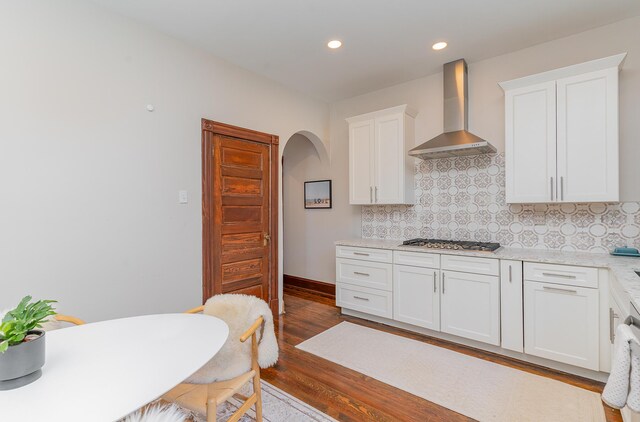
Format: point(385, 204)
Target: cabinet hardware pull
point(361, 298)
point(267, 238)
point(556, 289)
point(442, 283)
point(371, 194)
point(376, 194)
point(551, 188)
point(558, 275)
point(561, 188)
point(510, 274)
point(359, 273)
point(361, 253)
point(435, 277)
point(612, 316)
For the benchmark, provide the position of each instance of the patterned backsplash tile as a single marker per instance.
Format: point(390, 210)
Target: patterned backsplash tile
point(463, 198)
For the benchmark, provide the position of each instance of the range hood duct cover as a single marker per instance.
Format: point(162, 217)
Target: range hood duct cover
point(456, 139)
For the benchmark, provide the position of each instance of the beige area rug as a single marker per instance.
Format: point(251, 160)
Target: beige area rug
point(476, 388)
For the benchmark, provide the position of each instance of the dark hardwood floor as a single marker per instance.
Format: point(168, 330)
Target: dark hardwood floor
point(347, 395)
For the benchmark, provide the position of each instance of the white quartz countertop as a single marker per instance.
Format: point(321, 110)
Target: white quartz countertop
point(622, 268)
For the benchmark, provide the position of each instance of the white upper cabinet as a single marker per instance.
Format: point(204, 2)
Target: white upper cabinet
point(588, 136)
point(380, 169)
point(561, 134)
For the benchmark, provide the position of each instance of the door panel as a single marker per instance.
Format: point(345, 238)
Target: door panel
point(243, 175)
point(416, 297)
point(530, 147)
point(389, 160)
point(588, 137)
point(561, 323)
point(361, 149)
point(470, 306)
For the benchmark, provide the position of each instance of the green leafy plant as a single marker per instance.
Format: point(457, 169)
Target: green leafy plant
point(17, 323)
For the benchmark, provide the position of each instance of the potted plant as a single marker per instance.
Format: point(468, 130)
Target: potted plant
point(22, 344)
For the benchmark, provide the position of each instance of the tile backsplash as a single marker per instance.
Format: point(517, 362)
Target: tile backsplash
point(464, 198)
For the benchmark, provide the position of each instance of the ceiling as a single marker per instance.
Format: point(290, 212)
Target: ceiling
point(385, 42)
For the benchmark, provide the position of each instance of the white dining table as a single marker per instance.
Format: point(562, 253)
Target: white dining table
point(105, 370)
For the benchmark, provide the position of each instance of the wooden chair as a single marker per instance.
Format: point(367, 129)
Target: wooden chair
point(67, 318)
point(205, 398)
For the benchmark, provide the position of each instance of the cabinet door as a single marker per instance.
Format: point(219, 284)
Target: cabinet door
point(470, 306)
point(530, 144)
point(588, 137)
point(389, 160)
point(361, 151)
point(511, 305)
point(561, 323)
point(416, 297)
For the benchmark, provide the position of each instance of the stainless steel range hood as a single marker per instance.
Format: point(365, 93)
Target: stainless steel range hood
point(456, 140)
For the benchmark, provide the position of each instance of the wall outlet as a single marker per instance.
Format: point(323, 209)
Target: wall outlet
point(183, 197)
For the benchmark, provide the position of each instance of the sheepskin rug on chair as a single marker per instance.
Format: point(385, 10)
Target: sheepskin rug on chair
point(158, 412)
point(239, 312)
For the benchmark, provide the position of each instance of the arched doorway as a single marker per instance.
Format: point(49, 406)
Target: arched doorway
point(305, 237)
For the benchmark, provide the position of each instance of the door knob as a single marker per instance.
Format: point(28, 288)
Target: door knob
point(267, 238)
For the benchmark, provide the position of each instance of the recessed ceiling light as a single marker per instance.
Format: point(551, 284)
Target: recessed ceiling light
point(334, 44)
point(439, 45)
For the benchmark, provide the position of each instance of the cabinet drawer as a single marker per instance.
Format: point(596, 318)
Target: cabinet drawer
point(471, 264)
point(417, 259)
point(365, 254)
point(371, 301)
point(561, 274)
point(375, 275)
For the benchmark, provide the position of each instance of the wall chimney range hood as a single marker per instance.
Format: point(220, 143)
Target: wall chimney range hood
point(456, 139)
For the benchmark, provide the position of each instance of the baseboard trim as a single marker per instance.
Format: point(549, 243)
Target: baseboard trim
point(320, 287)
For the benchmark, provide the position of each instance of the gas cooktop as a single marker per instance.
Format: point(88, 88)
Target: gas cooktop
point(452, 244)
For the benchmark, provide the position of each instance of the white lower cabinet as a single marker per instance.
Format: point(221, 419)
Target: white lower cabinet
point(561, 323)
point(416, 297)
point(511, 305)
point(470, 306)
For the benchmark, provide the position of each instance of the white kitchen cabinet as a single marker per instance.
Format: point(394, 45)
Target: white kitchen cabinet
point(530, 152)
point(588, 137)
point(380, 169)
point(416, 297)
point(361, 156)
point(470, 306)
point(561, 134)
point(511, 318)
point(561, 323)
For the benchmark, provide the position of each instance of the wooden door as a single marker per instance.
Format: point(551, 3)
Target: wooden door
point(361, 169)
point(470, 306)
point(239, 212)
point(530, 144)
point(588, 137)
point(416, 297)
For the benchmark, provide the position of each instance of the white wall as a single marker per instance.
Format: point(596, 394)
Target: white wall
point(309, 234)
point(486, 106)
point(89, 179)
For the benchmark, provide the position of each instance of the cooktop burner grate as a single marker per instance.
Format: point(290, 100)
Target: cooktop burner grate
point(452, 244)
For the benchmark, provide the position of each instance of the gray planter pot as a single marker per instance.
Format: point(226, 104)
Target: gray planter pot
point(21, 364)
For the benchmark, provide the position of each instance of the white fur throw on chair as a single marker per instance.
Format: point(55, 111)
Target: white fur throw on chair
point(158, 413)
point(239, 312)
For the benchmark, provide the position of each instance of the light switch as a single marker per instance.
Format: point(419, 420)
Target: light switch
point(183, 197)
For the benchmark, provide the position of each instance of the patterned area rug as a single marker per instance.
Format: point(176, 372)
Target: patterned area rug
point(277, 406)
